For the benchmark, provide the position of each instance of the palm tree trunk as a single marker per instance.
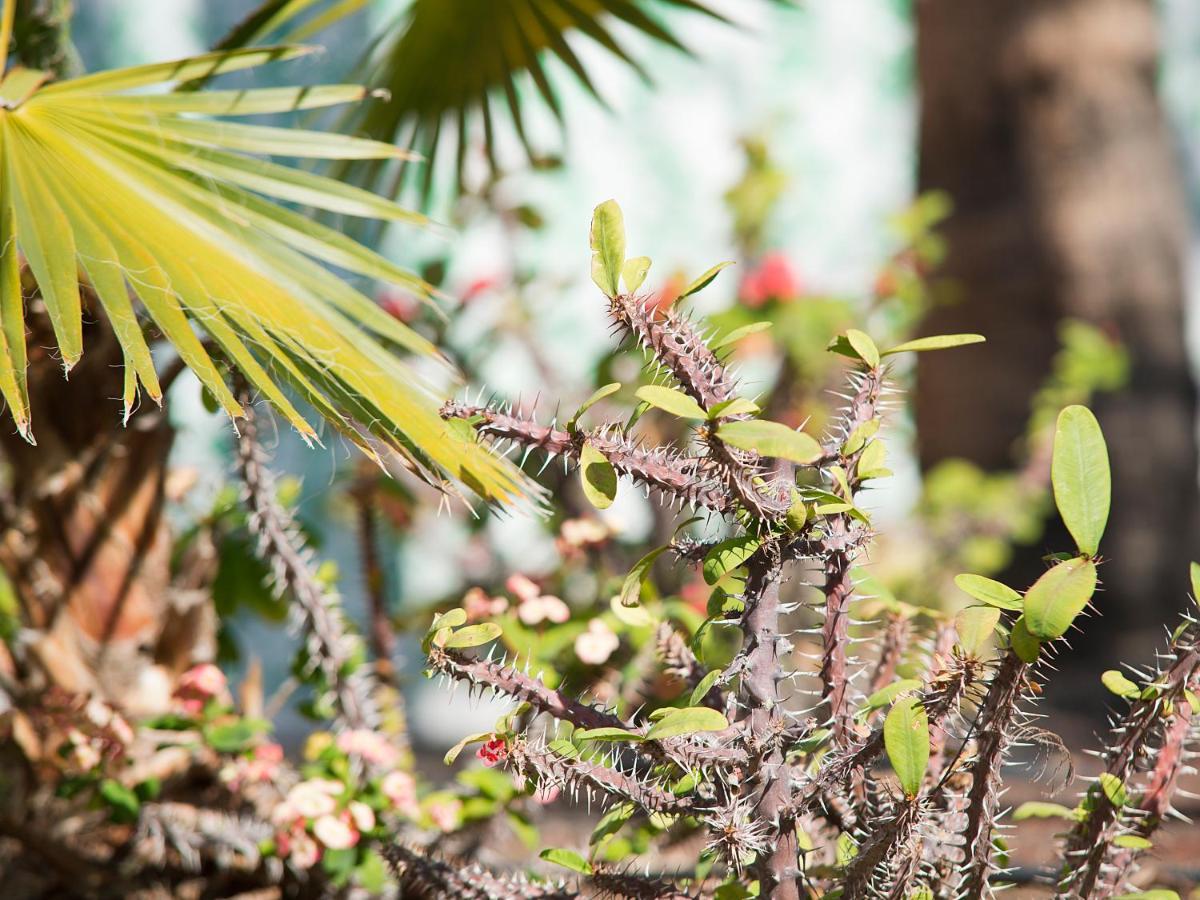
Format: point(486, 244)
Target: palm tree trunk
point(85, 544)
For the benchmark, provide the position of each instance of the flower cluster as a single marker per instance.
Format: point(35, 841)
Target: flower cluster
point(534, 607)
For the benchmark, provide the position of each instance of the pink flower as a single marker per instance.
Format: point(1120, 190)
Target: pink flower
point(546, 794)
point(446, 814)
point(773, 279)
point(300, 849)
point(401, 790)
point(372, 746)
point(479, 605)
point(480, 286)
point(597, 644)
point(336, 832)
point(198, 685)
point(314, 797)
point(493, 752)
point(399, 304)
point(547, 607)
point(263, 766)
point(285, 815)
point(521, 587)
point(582, 532)
point(362, 815)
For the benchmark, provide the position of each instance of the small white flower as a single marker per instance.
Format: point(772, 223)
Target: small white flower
point(335, 832)
point(597, 644)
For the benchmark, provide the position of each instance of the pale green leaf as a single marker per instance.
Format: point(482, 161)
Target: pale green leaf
point(704, 280)
point(1024, 644)
point(700, 691)
point(473, 636)
point(735, 406)
point(1118, 684)
point(677, 403)
point(864, 347)
point(1056, 598)
point(906, 739)
point(738, 333)
point(631, 588)
point(608, 247)
point(1113, 789)
point(884, 696)
point(1080, 473)
point(634, 272)
point(598, 477)
point(599, 394)
point(772, 439)
point(568, 859)
point(689, 720)
point(1037, 809)
point(728, 555)
point(477, 738)
point(975, 625)
point(605, 734)
point(990, 592)
point(936, 342)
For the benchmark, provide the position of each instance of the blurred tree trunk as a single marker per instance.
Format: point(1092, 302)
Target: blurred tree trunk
point(1041, 119)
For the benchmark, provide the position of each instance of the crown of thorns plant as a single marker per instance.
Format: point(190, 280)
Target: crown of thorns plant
point(871, 784)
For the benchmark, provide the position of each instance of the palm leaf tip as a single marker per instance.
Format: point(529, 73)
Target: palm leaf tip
point(172, 221)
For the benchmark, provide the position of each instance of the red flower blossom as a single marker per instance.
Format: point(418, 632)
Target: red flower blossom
point(494, 752)
point(773, 279)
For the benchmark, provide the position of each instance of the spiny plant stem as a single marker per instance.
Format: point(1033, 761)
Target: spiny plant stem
point(332, 647)
point(777, 870)
point(997, 718)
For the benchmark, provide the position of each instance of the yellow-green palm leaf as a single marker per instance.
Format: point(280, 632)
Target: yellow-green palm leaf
point(166, 216)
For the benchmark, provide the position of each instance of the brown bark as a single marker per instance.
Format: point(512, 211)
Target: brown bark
point(85, 543)
point(1040, 118)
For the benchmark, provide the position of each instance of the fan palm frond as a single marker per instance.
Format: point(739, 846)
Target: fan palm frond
point(450, 63)
point(111, 195)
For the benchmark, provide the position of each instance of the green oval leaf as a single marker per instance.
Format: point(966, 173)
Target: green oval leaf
point(631, 589)
point(597, 395)
point(687, 721)
point(1056, 598)
point(936, 342)
point(608, 247)
point(975, 625)
point(737, 406)
point(700, 691)
point(1120, 685)
point(473, 636)
point(477, 738)
point(885, 696)
point(772, 439)
point(993, 593)
point(1037, 809)
point(634, 272)
point(1024, 644)
point(450, 619)
point(704, 280)
point(1114, 789)
point(738, 333)
point(1132, 842)
point(677, 403)
point(605, 734)
point(568, 859)
point(1157, 894)
point(1081, 477)
point(906, 739)
point(598, 476)
point(728, 555)
point(862, 344)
